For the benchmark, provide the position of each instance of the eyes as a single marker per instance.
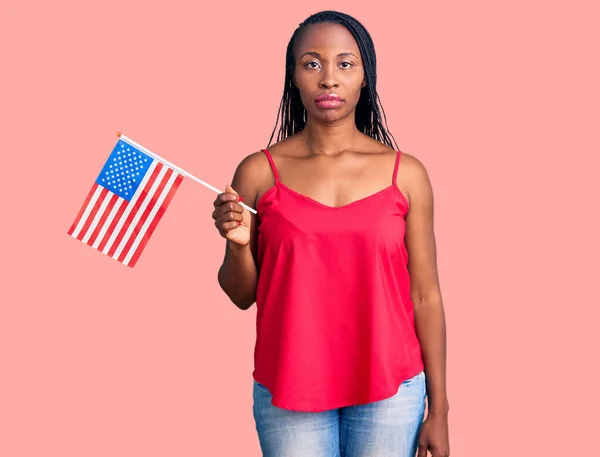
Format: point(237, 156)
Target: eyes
point(345, 65)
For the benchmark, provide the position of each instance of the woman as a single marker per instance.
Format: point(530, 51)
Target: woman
point(350, 334)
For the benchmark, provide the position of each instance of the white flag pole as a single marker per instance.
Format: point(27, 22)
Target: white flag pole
point(175, 167)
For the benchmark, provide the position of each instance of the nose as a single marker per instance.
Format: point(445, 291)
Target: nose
point(328, 78)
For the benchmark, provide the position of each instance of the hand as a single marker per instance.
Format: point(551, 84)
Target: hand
point(433, 436)
point(232, 219)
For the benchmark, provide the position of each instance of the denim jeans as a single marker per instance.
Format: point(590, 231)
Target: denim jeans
point(385, 428)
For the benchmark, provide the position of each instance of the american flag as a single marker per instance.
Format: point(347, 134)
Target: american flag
point(126, 203)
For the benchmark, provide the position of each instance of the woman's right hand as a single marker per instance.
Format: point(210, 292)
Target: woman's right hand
point(232, 219)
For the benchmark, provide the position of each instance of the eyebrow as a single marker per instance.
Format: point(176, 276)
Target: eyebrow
point(316, 54)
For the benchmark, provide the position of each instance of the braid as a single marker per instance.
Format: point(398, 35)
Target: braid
point(369, 110)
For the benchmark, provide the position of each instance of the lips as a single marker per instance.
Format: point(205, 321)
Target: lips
point(329, 101)
point(329, 98)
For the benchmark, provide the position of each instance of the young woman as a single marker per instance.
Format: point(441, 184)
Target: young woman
point(341, 262)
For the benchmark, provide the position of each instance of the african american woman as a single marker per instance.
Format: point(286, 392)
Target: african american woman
point(340, 260)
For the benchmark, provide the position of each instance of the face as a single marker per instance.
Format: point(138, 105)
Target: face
point(329, 73)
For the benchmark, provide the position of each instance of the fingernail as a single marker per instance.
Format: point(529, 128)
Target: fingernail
point(239, 223)
point(239, 198)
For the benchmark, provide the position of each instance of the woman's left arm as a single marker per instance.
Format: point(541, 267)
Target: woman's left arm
point(427, 298)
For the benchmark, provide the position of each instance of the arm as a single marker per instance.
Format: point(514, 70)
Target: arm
point(429, 312)
point(238, 274)
point(425, 289)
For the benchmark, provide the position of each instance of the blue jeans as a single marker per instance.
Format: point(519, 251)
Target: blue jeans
point(385, 428)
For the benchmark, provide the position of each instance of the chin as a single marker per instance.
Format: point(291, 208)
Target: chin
point(331, 115)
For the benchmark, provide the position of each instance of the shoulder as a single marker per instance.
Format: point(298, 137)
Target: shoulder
point(251, 175)
point(254, 175)
point(253, 164)
point(411, 166)
point(413, 178)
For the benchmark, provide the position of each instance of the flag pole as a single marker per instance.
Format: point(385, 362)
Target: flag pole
point(176, 168)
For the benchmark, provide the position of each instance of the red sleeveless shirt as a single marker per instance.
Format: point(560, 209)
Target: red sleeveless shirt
point(335, 320)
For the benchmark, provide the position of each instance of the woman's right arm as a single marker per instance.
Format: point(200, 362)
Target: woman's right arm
point(238, 275)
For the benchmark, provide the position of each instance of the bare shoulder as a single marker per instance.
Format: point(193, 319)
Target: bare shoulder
point(252, 164)
point(413, 178)
point(251, 176)
point(411, 166)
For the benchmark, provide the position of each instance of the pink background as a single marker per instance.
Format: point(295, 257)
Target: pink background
point(500, 101)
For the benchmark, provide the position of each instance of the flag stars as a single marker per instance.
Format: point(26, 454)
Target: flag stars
point(120, 174)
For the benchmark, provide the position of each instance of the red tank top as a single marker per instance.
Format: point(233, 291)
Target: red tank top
point(335, 320)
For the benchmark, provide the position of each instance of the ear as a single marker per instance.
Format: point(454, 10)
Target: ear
point(364, 83)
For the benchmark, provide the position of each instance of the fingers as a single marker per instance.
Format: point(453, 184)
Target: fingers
point(229, 195)
point(227, 207)
point(228, 216)
point(227, 219)
point(228, 213)
point(422, 449)
point(227, 227)
point(225, 197)
point(227, 201)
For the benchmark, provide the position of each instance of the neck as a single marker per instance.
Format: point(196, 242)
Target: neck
point(331, 138)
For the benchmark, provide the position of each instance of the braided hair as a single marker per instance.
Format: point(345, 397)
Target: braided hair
point(369, 110)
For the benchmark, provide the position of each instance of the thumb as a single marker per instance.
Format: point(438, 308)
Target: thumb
point(228, 188)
